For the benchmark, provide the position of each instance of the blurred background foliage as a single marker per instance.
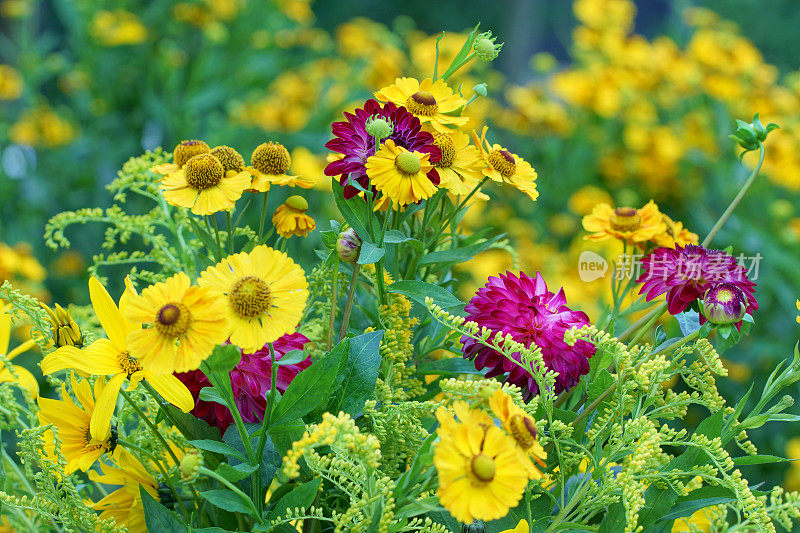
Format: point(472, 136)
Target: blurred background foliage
point(611, 100)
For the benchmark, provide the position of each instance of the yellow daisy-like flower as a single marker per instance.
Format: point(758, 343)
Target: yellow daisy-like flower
point(184, 325)
point(504, 167)
point(81, 444)
point(432, 102)
point(522, 527)
point(266, 294)
point(401, 175)
point(479, 469)
point(624, 223)
point(291, 219)
point(124, 505)
point(203, 185)
point(521, 426)
point(13, 373)
point(461, 166)
point(270, 164)
point(112, 357)
point(674, 234)
point(184, 151)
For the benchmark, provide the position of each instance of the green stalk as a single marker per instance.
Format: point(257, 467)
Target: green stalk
point(334, 297)
point(349, 305)
point(216, 232)
point(230, 231)
point(265, 427)
point(263, 216)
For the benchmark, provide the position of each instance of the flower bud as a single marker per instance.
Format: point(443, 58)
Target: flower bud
point(297, 202)
point(475, 527)
point(485, 47)
point(63, 329)
point(190, 465)
point(348, 246)
point(379, 128)
point(480, 89)
point(724, 303)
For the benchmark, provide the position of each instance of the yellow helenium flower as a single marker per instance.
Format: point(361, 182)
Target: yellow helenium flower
point(432, 102)
point(203, 185)
point(479, 469)
point(184, 325)
point(266, 294)
point(504, 167)
point(124, 505)
point(624, 223)
point(112, 357)
point(13, 373)
point(460, 168)
point(291, 219)
point(522, 527)
point(183, 152)
point(270, 164)
point(400, 174)
point(674, 234)
point(81, 444)
point(521, 426)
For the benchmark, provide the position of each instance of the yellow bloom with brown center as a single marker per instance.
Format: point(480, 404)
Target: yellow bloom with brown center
point(203, 185)
point(432, 102)
point(11, 83)
point(112, 357)
point(401, 175)
point(521, 426)
point(81, 444)
point(183, 152)
point(674, 234)
point(479, 471)
point(12, 373)
point(460, 167)
point(624, 223)
point(265, 291)
point(291, 219)
point(270, 166)
point(504, 167)
point(124, 505)
point(184, 324)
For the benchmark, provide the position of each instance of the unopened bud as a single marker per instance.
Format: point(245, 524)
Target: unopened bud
point(348, 246)
point(380, 128)
point(480, 89)
point(475, 527)
point(190, 465)
point(724, 303)
point(63, 329)
point(485, 47)
point(297, 202)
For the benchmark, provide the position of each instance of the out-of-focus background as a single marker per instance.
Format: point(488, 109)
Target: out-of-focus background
point(611, 100)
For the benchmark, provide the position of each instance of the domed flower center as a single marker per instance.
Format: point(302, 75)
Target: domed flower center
point(129, 363)
point(523, 429)
point(723, 296)
point(203, 172)
point(407, 162)
point(503, 162)
point(483, 468)
point(297, 202)
point(626, 219)
point(271, 158)
point(187, 150)
point(448, 149)
point(422, 103)
point(250, 297)
point(173, 319)
point(229, 157)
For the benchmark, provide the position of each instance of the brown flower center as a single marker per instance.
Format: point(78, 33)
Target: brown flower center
point(250, 297)
point(483, 468)
point(626, 219)
point(503, 162)
point(173, 319)
point(422, 103)
point(523, 429)
point(129, 363)
point(271, 158)
point(229, 157)
point(448, 149)
point(187, 150)
point(203, 172)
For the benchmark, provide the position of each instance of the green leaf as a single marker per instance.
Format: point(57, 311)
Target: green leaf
point(292, 358)
point(228, 500)
point(614, 520)
point(269, 462)
point(354, 210)
point(224, 358)
point(689, 321)
point(458, 255)
point(759, 460)
point(210, 394)
point(236, 473)
point(688, 508)
point(302, 496)
point(394, 236)
point(462, 54)
point(370, 253)
point(157, 517)
point(360, 373)
point(448, 367)
point(218, 447)
point(419, 290)
point(308, 389)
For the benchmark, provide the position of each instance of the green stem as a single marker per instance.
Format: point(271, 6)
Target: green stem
point(334, 297)
point(379, 267)
point(265, 428)
point(263, 216)
point(349, 305)
point(644, 329)
point(230, 231)
point(657, 312)
point(150, 424)
point(233, 488)
point(678, 343)
point(216, 232)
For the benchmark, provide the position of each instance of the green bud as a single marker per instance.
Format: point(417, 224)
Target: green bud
point(485, 47)
point(380, 128)
point(480, 89)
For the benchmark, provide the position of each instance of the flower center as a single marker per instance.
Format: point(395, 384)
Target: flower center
point(187, 150)
point(626, 219)
point(203, 172)
point(271, 158)
point(483, 468)
point(724, 296)
point(297, 202)
point(448, 149)
point(523, 429)
point(173, 319)
point(503, 162)
point(129, 363)
point(407, 163)
point(230, 158)
point(422, 103)
point(250, 297)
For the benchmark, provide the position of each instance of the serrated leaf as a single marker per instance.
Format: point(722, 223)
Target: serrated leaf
point(370, 253)
point(359, 373)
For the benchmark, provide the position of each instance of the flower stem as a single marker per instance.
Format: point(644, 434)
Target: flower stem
point(263, 216)
point(334, 297)
point(265, 427)
point(349, 305)
point(216, 232)
point(150, 424)
point(230, 231)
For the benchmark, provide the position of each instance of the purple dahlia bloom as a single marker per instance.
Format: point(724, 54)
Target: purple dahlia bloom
point(356, 145)
point(685, 273)
point(523, 307)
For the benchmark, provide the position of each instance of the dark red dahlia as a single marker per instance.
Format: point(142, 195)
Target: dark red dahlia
point(356, 145)
point(251, 381)
point(522, 306)
point(685, 273)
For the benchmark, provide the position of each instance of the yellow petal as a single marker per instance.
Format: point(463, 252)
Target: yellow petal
point(108, 313)
point(171, 389)
point(100, 425)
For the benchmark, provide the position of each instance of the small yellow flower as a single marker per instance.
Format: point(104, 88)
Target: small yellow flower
point(63, 329)
point(203, 185)
point(674, 234)
point(117, 28)
point(13, 373)
point(504, 167)
point(270, 163)
point(401, 175)
point(521, 426)
point(433, 102)
point(291, 219)
point(124, 505)
point(624, 223)
point(460, 167)
point(11, 83)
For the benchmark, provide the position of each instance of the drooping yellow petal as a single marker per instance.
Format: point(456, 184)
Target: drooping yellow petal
point(108, 314)
point(171, 389)
point(100, 425)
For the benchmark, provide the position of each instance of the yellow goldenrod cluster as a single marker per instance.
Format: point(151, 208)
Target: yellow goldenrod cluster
point(42, 127)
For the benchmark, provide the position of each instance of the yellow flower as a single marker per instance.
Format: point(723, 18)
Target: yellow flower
point(11, 83)
point(701, 521)
point(674, 234)
point(271, 162)
point(504, 167)
point(291, 219)
point(124, 505)
point(582, 201)
point(624, 223)
point(13, 373)
point(185, 324)
point(479, 469)
point(401, 175)
point(116, 28)
point(797, 304)
point(81, 443)
point(522, 527)
point(266, 293)
point(460, 168)
point(432, 102)
point(183, 152)
point(112, 357)
point(203, 185)
point(521, 427)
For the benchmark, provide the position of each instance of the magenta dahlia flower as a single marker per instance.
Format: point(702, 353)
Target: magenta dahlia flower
point(356, 145)
point(685, 273)
point(250, 380)
point(523, 307)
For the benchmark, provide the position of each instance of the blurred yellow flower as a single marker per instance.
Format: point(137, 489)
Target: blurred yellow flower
point(583, 201)
point(624, 223)
point(117, 28)
point(41, 127)
point(14, 373)
point(291, 219)
point(11, 83)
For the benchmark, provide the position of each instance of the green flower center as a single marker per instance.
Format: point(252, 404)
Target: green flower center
point(503, 162)
point(203, 171)
point(271, 158)
point(407, 163)
point(173, 319)
point(448, 149)
point(422, 103)
point(230, 158)
point(250, 297)
point(297, 202)
point(483, 468)
point(187, 150)
point(626, 219)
